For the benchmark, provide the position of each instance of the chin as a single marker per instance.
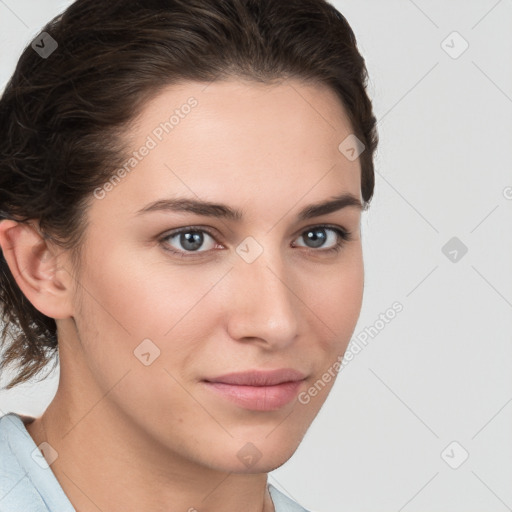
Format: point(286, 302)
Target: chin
point(268, 462)
point(258, 454)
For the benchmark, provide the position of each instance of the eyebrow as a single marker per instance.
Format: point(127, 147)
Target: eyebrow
point(222, 211)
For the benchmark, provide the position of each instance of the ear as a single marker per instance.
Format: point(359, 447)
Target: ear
point(38, 267)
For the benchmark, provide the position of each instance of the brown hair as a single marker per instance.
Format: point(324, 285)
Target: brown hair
point(63, 117)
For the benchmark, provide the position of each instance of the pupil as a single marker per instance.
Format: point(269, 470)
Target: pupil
point(196, 239)
point(317, 240)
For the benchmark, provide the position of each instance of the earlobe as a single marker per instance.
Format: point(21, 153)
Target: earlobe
point(37, 267)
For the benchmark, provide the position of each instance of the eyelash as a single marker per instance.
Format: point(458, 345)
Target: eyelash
point(343, 237)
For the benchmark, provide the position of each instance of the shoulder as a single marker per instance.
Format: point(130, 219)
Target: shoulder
point(283, 503)
point(16, 491)
point(26, 482)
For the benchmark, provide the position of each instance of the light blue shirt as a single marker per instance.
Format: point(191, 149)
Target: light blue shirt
point(27, 483)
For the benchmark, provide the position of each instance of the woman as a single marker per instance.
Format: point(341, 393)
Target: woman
point(181, 187)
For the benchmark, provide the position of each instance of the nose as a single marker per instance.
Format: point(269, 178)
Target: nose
point(262, 305)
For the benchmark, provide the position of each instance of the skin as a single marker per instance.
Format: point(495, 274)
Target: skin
point(268, 150)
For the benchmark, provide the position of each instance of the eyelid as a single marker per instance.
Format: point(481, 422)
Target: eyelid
point(343, 236)
point(170, 234)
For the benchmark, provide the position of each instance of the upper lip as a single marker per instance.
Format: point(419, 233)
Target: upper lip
point(259, 377)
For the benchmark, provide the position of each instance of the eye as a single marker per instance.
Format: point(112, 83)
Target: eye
point(190, 239)
point(317, 236)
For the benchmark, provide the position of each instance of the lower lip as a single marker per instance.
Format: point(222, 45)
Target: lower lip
point(258, 398)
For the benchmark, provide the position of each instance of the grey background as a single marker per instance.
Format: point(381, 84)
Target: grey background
point(440, 371)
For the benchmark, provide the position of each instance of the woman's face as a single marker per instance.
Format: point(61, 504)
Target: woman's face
point(256, 293)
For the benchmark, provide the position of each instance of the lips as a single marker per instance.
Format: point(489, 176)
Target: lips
point(260, 377)
point(258, 390)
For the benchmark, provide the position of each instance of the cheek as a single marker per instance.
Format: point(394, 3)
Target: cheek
point(125, 314)
point(134, 294)
point(335, 299)
point(132, 298)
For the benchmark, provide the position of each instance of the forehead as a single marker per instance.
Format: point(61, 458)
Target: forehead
point(238, 139)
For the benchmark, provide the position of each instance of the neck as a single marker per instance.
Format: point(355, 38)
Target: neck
point(93, 447)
